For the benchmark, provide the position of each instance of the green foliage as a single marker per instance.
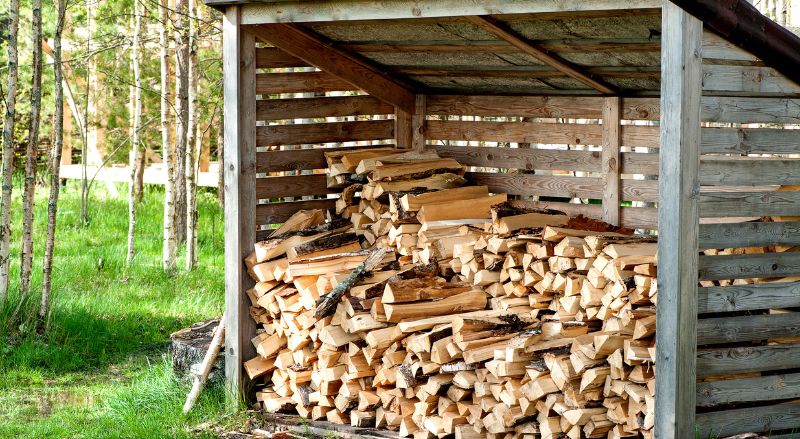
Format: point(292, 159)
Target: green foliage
point(101, 370)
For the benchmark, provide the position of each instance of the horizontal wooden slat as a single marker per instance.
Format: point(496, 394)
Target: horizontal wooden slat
point(521, 132)
point(640, 135)
point(752, 389)
point(271, 58)
point(335, 106)
point(276, 213)
point(750, 419)
point(715, 140)
point(717, 48)
point(299, 159)
point(300, 82)
point(324, 132)
point(749, 171)
point(748, 266)
point(537, 106)
point(747, 328)
point(639, 163)
point(730, 204)
point(753, 234)
point(523, 158)
point(749, 110)
point(636, 217)
point(748, 297)
point(725, 361)
point(747, 79)
point(542, 185)
point(292, 186)
point(467, 46)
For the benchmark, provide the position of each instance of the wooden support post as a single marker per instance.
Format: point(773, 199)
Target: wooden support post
point(402, 128)
point(418, 125)
point(610, 160)
point(240, 194)
point(678, 221)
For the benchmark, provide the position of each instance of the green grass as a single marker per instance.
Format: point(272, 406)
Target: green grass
point(102, 369)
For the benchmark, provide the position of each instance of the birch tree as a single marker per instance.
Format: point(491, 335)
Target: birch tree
point(137, 119)
point(31, 152)
point(55, 166)
point(182, 113)
point(170, 244)
point(193, 143)
point(8, 149)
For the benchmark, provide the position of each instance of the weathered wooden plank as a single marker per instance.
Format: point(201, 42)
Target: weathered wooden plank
point(273, 58)
point(361, 73)
point(749, 266)
point(678, 218)
point(538, 106)
point(299, 82)
point(635, 217)
point(418, 139)
point(750, 110)
point(748, 297)
point(335, 106)
point(731, 204)
point(645, 163)
point(521, 132)
point(639, 135)
point(276, 213)
point(717, 140)
point(747, 79)
point(542, 185)
point(749, 171)
point(747, 328)
point(610, 160)
point(725, 361)
point(239, 68)
point(292, 186)
point(299, 11)
point(717, 48)
point(752, 389)
point(523, 158)
point(403, 131)
point(324, 132)
point(299, 159)
point(751, 419)
point(561, 46)
point(752, 234)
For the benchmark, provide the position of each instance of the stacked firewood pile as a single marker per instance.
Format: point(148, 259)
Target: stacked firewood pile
point(477, 317)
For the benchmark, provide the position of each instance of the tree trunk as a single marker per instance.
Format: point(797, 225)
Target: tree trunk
point(141, 162)
point(170, 244)
point(137, 118)
point(55, 167)
point(182, 112)
point(31, 152)
point(193, 142)
point(8, 150)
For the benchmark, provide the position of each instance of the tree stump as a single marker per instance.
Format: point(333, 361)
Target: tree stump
point(189, 346)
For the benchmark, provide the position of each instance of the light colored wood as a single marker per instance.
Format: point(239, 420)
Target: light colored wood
point(747, 328)
point(298, 10)
point(330, 106)
point(217, 342)
point(240, 197)
point(748, 297)
point(747, 266)
point(331, 132)
point(411, 202)
point(748, 80)
point(765, 388)
point(681, 79)
point(611, 161)
point(309, 47)
point(727, 361)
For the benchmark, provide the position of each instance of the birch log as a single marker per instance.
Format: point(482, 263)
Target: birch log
point(191, 144)
point(137, 118)
point(170, 244)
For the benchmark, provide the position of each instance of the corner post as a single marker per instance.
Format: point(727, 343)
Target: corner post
point(678, 219)
point(409, 128)
point(611, 160)
point(238, 51)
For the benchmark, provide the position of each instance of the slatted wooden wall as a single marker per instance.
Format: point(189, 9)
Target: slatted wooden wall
point(302, 112)
point(749, 147)
point(550, 148)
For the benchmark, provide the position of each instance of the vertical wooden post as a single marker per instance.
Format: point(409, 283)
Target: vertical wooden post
point(611, 160)
point(239, 89)
point(418, 125)
point(403, 134)
point(678, 218)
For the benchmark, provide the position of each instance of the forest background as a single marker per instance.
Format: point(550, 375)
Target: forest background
point(94, 276)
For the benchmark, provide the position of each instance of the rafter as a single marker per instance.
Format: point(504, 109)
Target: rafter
point(504, 32)
point(313, 49)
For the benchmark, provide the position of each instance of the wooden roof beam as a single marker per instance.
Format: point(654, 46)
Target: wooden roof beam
point(313, 49)
point(504, 32)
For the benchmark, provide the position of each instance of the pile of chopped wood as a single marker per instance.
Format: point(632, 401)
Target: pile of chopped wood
point(485, 320)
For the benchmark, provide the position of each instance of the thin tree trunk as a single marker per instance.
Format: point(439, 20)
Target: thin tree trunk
point(31, 155)
point(192, 144)
point(170, 244)
point(137, 118)
point(182, 112)
point(8, 150)
point(141, 162)
point(55, 167)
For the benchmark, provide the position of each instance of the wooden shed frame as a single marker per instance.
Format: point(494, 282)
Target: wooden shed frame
point(680, 200)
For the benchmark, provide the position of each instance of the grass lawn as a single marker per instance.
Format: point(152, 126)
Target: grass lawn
point(102, 370)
